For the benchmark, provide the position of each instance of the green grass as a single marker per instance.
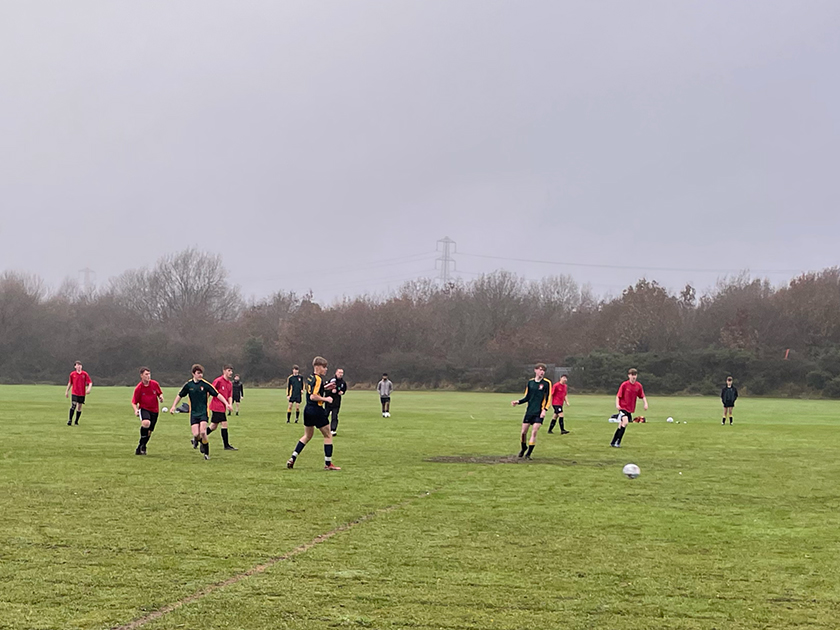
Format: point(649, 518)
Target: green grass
point(727, 527)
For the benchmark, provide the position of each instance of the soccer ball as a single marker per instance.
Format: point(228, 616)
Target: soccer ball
point(631, 471)
point(387, 414)
point(165, 410)
point(670, 419)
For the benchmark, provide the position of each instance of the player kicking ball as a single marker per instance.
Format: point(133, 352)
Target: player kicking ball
point(315, 415)
point(198, 390)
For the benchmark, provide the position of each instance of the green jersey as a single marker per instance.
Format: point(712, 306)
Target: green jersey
point(294, 386)
point(198, 393)
point(537, 395)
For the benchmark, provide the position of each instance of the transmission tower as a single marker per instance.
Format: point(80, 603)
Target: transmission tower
point(90, 279)
point(447, 247)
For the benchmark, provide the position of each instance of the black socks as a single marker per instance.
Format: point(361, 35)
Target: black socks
point(225, 437)
point(328, 449)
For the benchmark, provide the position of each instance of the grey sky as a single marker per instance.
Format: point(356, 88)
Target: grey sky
point(329, 145)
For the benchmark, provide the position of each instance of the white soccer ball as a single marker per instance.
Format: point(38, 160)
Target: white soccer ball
point(631, 471)
point(670, 419)
point(165, 410)
point(387, 414)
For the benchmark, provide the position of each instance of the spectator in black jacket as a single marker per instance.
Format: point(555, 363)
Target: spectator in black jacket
point(728, 396)
point(338, 387)
point(238, 393)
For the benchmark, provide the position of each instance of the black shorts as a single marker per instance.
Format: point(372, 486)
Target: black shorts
point(237, 398)
point(77, 399)
point(294, 398)
point(151, 416)
point(197, 419)
point(314, 416)
point(558, 408)
point(532, 418)
point(384, 399)
point(732, 406)
point(625, 413)
point(218, 417)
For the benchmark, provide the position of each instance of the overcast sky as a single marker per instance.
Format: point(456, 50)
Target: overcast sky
point(328, 145)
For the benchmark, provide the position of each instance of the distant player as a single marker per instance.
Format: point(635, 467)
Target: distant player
point(385, 387)
point(147, 397)
point(238, 392)
point(559, 400)
point(337, 387)
point(80, 384)
point(728, 396)
point(224, 385)
point(315, 415)
point(537, 395)
point(294, 391)
point(625, 401)
point(198, 390)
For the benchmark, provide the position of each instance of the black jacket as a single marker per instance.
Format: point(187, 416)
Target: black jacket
point(729, 395)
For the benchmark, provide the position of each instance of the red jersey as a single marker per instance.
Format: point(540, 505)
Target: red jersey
point(225, 388)
point(558, 394)
point(147, 396)
point(628, 393)
point(79, 381)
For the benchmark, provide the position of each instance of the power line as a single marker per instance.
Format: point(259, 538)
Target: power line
point(637, 268)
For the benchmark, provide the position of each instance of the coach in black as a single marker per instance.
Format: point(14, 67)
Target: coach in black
point(337, 387)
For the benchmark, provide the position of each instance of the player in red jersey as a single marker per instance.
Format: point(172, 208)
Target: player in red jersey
point(80, 383)
point(224, 386)
point(147, 397)
point(625, 401)
point(558, 401)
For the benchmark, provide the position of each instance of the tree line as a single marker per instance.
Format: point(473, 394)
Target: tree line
point(473, 335)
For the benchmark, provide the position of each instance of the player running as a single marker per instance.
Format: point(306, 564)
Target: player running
point(537, 393)
point(315, 416)
point(147, 396)
point(198, 390)
point(224, 385)
point(625, 401)
point(80, 383)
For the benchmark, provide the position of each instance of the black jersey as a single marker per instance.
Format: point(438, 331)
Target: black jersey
point(198, 393)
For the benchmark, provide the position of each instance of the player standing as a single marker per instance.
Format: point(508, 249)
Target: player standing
point(294, 389)
point(537, 394)
point(728, 396)
point(337, 387)
point(224, 385)
point(80, 383)
point(385, 387)
point(198, 390)
point(625, 401)
point(315, 416)
point(238, 392)
point(559, 399)
point(147, 397)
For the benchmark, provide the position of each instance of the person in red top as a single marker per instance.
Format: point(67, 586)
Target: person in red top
point(147, 396)
point(224, 386)
point(625, 401)
point(558, 401)
point(80, 383)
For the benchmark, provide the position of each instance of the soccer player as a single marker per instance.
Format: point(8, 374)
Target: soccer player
point(147, 396)
point(294, 388)
point(537, 394)
point(385, 387)
point(728, 396)
point(224, 385)
point(625, 401)
point(80, 383)
point(198, 390)
point(337, 387)
point(315, 415)
point(559, 399)
point(238, 392)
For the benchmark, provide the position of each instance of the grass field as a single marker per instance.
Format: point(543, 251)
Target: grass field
point(727, 527)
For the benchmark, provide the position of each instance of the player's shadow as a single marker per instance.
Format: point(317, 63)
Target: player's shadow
point(513, 459)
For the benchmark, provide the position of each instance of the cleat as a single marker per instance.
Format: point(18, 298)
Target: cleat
point(522, 454)
point(144, 450)
point(194, 443)
point(331, 467)
point(137, 451)
point(69, 423)
point(563, 432)
point(231, 448)
point(77, 422)
point(206, 455)
point(333, 432)
point(528, 457)
point(288, 421)
point(551, 431)
point(290, 463)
